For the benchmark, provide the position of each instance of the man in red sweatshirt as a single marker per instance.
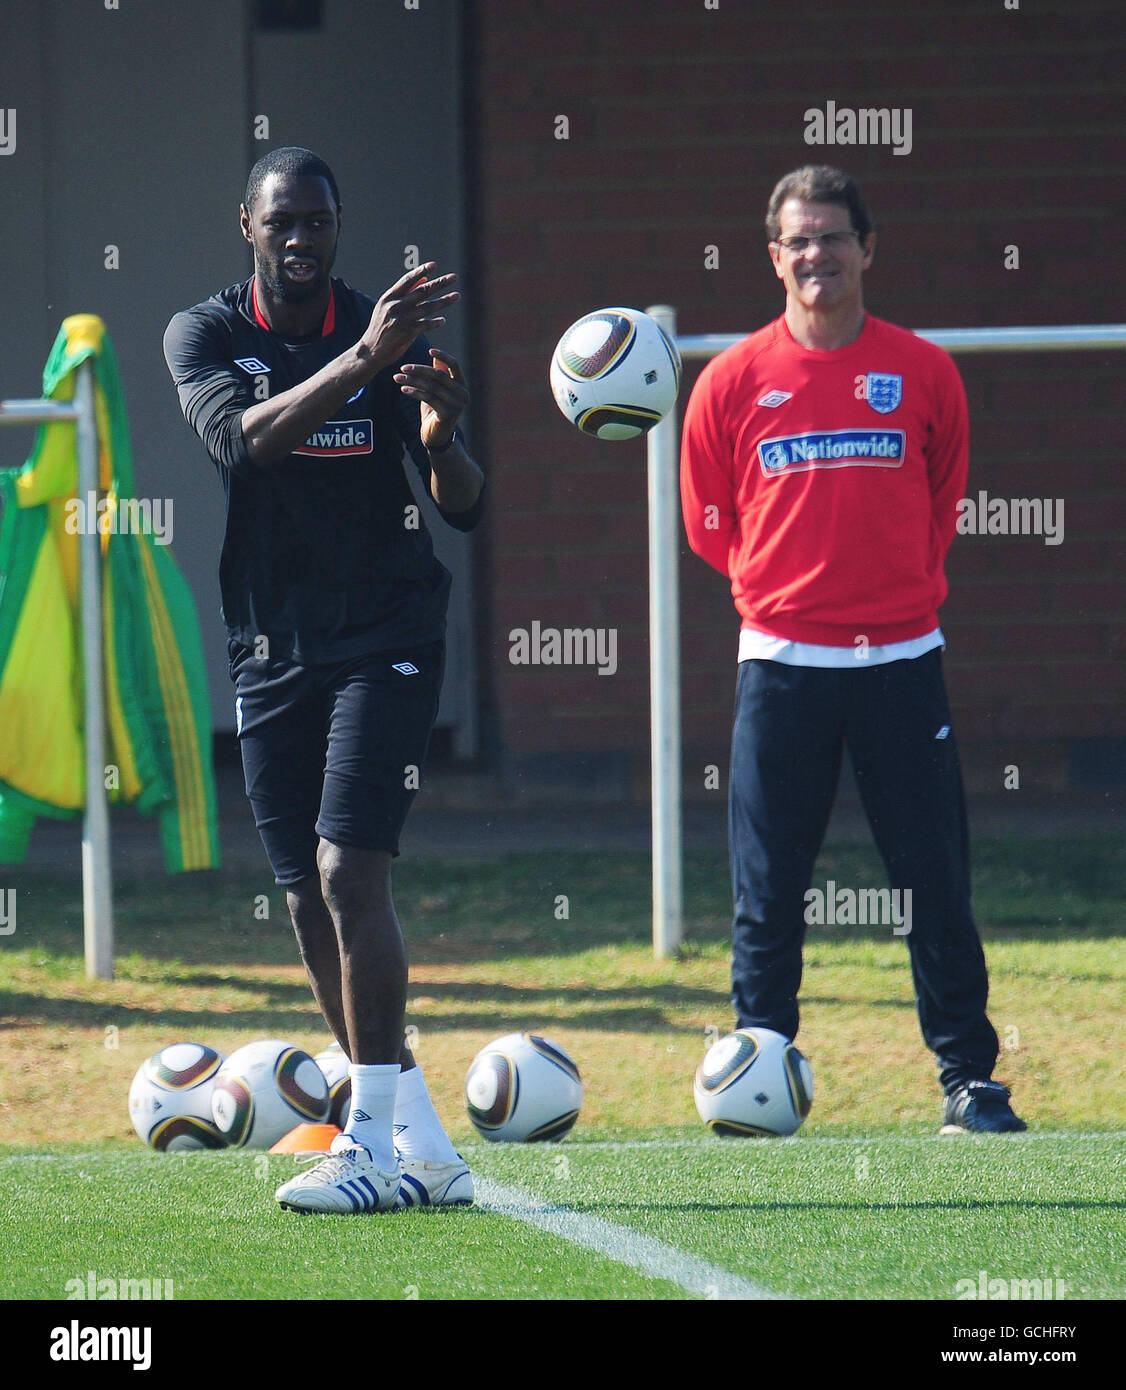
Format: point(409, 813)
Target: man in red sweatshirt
point(822, 462)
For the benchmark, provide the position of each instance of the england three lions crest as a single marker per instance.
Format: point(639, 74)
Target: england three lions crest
point(883, 391)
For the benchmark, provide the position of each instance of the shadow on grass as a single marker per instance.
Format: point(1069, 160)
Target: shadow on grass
point(22, 1010)
point(285, 1007)
point(470, 992)
point(1029, 889)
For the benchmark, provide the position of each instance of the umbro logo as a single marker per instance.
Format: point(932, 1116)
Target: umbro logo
point(774, 398)
point(405, 668)
point(253, 365)
point(944, 732)
point(359, 1115)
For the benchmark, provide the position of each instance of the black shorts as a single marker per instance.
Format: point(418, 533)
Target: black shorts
point(333, 752)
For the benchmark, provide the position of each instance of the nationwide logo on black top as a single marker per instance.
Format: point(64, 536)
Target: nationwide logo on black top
point(338, 437)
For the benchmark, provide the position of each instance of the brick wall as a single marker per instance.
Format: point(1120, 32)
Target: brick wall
point(681, 118)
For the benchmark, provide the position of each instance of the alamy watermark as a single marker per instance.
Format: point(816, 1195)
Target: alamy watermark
point(127, 516)
point(1011, 516)
point(870, 125)
point(984, 1287)
point(568, 646)
point(91, 1286)
point(859, 907)
point(77, 1343)
point(7, 912)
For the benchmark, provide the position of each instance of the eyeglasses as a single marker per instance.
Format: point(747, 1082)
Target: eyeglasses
point(830, 241)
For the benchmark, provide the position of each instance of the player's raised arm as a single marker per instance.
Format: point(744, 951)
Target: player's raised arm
point(414, 304)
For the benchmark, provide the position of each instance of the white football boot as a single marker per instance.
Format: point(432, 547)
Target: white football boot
point(428, 1183)
point(346, 1181)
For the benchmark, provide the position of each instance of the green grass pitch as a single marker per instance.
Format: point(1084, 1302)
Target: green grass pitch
point(865, 1203)
point(847, 1218)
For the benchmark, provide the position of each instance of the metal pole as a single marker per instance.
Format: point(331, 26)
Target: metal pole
point(1080, 337)
point(664, 669)
point(97, 891)
point(35, 412)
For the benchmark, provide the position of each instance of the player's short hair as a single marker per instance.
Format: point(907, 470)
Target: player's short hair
point(818, 183)
point(290, 161)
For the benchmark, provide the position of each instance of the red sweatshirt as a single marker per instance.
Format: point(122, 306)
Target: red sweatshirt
point(825, 485)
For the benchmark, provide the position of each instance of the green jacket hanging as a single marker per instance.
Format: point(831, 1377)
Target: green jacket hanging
point(158, 721)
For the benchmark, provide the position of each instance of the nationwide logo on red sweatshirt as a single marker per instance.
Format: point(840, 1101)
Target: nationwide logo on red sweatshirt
point(337, 437)
point(797, 453)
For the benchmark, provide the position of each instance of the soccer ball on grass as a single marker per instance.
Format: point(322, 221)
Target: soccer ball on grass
point(523, 1089)
point(753, 1082)
point(170, 1098)
point(333, 1062)
point(264, 1090)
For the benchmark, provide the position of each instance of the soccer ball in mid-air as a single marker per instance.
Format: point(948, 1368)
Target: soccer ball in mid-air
point(333, 1062)
point(615, 373)
point(523, 1089)
point(264, 1090)
point(170, 1098)
point(754, 1081)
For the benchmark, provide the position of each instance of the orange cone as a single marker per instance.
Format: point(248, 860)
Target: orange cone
point(306, 1139)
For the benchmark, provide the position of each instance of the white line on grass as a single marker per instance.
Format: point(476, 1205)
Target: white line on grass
point(652, 1257)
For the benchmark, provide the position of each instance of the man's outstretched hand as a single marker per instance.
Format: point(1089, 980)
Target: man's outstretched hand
point(414, 304)
point(441, 393)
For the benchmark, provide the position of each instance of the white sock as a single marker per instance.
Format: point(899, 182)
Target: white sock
point(373, 1106)
point(418, 1130)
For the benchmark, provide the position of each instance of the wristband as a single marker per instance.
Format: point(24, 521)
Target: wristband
point(454, 438)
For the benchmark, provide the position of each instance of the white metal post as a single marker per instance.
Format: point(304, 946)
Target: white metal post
point(664, 669)
point(97, 893)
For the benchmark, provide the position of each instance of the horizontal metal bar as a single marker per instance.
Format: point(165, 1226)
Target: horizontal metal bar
point(1048, 338)
point(36, 412)
point(1076, 338)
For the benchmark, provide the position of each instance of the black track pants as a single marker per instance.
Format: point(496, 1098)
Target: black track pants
point(791, 725)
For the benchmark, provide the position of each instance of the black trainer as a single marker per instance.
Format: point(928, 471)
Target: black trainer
point(980, 1107)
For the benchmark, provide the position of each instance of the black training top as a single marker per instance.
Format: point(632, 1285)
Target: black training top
point(324, 552)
